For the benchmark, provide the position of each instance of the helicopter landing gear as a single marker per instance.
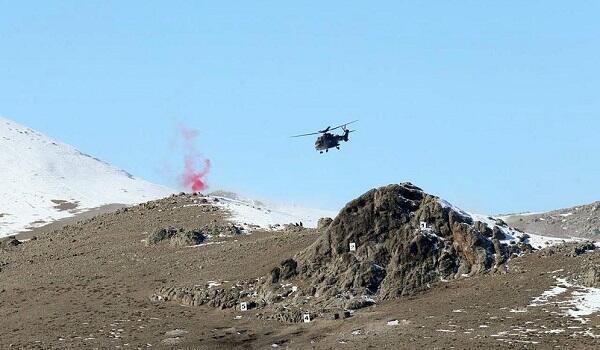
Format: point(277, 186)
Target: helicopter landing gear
point(338, 148)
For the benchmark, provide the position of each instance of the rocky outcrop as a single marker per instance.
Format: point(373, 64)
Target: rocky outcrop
point(583, 248)
point(324, 223)
point(219, 229)
point(181, 237)
point(295, 227)
point(188, 238)
point(176, 237)
point(195, 296)
point(397, 240)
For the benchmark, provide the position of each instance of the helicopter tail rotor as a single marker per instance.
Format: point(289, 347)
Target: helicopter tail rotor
point(346, 133)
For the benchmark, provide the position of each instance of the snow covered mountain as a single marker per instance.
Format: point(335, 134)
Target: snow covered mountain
point(42, 180)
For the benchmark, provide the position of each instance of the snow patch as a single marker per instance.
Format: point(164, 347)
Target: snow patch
point(547, 295)
point(212, 284)
point(580, 301)
point(586, 301)
point(269, 215)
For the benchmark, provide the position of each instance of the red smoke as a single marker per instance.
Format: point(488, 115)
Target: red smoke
point(189, 135)
point(195, 167)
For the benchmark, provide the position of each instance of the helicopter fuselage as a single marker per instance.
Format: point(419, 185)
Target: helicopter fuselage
point(327, 141)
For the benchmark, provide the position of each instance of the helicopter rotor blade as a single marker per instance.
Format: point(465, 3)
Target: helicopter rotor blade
point(328, 129)
point(343, 125)
point(312, 133)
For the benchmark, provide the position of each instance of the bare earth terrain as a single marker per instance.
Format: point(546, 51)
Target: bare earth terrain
point(88, 286)
point(581, 221)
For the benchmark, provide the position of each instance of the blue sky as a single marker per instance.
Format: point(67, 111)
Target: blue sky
point(491, 105)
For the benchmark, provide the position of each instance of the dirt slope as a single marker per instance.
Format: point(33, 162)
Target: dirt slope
point(581, 221)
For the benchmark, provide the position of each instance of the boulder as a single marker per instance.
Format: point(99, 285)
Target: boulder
point(582, 248)
point(188, 238)
point(295, 227)
point(161, 235)
point(592, 277)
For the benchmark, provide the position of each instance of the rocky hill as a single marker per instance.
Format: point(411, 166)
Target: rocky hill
point(390, 242)
point(582, 221)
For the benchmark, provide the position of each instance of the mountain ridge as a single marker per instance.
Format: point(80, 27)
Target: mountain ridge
point(581, 221)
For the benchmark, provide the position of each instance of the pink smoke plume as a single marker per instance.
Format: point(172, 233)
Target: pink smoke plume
point(196, 167)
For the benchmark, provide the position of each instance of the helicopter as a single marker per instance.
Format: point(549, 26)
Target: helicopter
point(328, 140)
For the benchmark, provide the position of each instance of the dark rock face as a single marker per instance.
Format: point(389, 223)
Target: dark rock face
point(286, 271)
point(394, 255)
